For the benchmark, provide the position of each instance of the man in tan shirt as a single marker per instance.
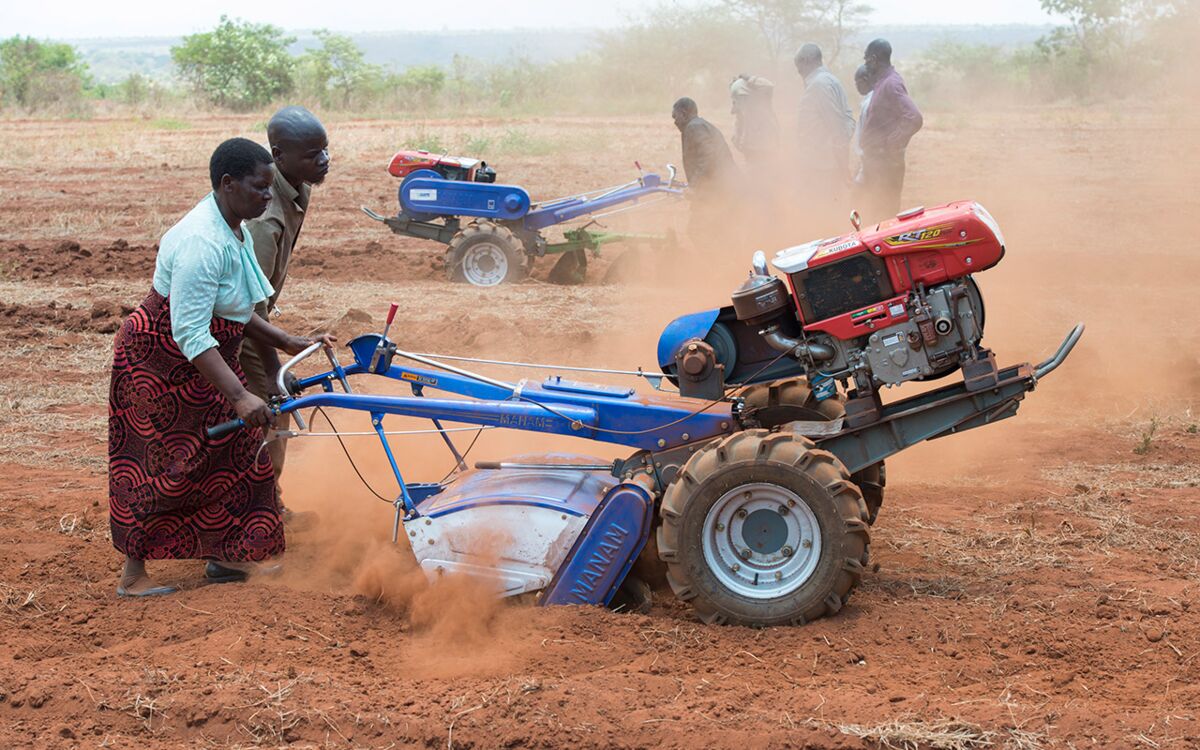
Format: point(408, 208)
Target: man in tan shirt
point(300, 148)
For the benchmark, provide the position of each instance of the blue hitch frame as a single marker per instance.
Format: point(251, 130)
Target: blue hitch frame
point(554, 406)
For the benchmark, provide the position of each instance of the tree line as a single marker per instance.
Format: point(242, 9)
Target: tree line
point(1105, 46)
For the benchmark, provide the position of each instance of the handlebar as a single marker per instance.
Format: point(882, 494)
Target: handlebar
point(218, 431)
point(280, 381)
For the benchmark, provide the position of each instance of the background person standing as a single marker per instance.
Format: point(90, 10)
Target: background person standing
point(825, 128)
point(300, 150)
point(890, 122)
point(755, 128)
point(862, 84)
point(709, 169)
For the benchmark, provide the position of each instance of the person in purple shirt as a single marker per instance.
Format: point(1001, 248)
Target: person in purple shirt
point(890, 122)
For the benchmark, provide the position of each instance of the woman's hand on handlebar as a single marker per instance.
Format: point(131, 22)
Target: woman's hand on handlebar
point(253, 410)
point(297, 344)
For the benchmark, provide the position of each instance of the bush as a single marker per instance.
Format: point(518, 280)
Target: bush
point(238, 65)
point(39, 75)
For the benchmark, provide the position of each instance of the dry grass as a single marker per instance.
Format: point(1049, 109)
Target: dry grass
point(917, 734)
point(20, 600)
point(273, 720)
point(910, 733)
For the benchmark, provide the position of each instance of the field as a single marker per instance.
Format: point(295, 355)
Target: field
point(1034, 583)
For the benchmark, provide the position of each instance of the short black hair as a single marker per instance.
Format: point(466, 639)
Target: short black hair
point(881, 49)
point(238, 158)
point(292, 124)
point(686, 105)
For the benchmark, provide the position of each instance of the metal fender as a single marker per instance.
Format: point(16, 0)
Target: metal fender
point(425, 193)
point(693, 326)
point(605, 550)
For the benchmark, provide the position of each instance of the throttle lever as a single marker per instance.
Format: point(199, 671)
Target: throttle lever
point(381, 350)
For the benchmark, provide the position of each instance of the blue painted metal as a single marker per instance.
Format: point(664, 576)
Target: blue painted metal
point(575, 493)
point(425, 193)
point(596, 412)
point(693, 326)
point(405, 498)
point(567, 209)
point(606, 549)
point(421, 491)
point(557, 383)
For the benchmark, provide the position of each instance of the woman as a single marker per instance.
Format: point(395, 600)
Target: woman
point(173, 493)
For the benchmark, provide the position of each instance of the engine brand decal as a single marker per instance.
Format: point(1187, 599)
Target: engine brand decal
point(917, 235)
point(839, 247)
point(896, 310)
point(867, 312)
point(422, 194)
point(415, 378)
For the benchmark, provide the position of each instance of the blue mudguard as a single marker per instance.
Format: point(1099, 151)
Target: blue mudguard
point(605, 550)
point(693, 326)
point(425, 194)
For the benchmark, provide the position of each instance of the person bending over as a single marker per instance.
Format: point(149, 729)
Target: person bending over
point(174, 493)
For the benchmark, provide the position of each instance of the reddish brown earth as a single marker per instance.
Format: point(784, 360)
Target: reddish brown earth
point(1036, 581)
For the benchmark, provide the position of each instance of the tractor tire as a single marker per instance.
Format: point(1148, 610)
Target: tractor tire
point(763, 529)
point(485, 254)
point(773, 405)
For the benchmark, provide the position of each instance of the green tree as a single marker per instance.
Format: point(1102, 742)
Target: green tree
point(35, 73)
point(238, 65)
point(839, 19)
point(336, 70)
point(1112, 43)
point(783, 25)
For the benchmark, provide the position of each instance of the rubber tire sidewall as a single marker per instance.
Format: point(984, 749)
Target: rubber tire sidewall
point(841, 517)
point(492, 234)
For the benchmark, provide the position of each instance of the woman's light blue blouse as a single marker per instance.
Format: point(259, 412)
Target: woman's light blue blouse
point(204, 270)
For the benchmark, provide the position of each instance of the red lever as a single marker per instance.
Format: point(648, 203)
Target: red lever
point(392, 314)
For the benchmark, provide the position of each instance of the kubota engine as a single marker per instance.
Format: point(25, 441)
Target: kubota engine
point(877, 307)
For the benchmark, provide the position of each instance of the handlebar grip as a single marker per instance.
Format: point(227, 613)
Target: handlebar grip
point(487, 464)
point(216, 432)
point(392, 313)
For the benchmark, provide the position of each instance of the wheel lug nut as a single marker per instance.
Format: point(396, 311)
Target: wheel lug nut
point(742, 513)
point(745, 554)
point(735, 567)
point(720, 527)
point(806, 544)
point(778, 576)
point(788, 551)
point(783, 511)
point(791, 503)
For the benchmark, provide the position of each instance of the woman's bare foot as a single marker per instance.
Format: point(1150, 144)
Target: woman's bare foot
point(135, 582)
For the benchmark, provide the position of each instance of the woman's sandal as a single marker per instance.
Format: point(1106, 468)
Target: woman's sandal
point(215, 572)
point(156, 590)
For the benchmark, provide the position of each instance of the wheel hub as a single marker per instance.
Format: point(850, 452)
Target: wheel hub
point(764, 532)
point(485, 264)
point(761, 540)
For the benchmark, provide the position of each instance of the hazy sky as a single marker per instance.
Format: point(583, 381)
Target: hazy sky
point(67, 19)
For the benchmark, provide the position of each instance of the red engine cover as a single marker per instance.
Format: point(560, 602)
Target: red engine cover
point(405, 163)
point(921, 246)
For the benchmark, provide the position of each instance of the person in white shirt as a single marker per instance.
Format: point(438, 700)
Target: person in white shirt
point(863, 83)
